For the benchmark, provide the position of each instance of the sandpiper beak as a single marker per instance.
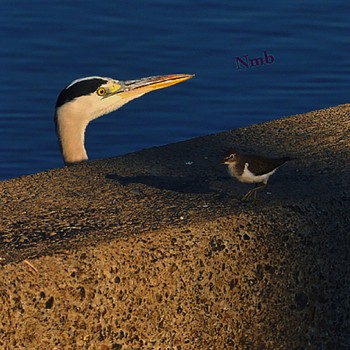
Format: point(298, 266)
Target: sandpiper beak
point(224, 161)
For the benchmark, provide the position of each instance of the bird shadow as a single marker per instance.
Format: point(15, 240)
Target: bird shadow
point(182, 184)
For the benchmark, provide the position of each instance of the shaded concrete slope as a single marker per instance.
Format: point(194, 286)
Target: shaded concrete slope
point(154, 250)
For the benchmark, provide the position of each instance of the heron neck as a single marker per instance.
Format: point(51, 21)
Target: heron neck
point(71, 134)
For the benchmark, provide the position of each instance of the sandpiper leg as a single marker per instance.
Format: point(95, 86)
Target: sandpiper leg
point(251, 192)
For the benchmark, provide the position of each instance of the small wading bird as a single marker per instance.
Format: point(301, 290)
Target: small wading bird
point(89, 98)
point(249, 168)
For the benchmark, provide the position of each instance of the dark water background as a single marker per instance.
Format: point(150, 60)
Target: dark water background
point(47, 44)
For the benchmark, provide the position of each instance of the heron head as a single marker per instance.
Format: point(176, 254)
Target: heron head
point(89, 98)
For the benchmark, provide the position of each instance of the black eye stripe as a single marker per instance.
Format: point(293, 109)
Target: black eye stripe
point(80, 88)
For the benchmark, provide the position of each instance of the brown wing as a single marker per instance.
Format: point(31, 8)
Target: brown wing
point(260, 165)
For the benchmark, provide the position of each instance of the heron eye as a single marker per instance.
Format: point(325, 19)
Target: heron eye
point(101, 91)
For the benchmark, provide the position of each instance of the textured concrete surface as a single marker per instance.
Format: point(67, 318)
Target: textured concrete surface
point(154, 250)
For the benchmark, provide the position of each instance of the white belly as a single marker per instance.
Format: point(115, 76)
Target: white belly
point(248, 177)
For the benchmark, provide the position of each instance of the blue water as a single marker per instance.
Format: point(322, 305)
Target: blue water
point(45, 45)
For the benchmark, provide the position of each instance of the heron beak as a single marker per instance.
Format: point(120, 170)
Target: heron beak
point(134, 88)
point(155, 83)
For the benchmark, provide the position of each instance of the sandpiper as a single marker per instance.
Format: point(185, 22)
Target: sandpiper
point(251, 168)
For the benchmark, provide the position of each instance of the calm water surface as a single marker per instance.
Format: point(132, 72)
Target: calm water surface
point(46, 45)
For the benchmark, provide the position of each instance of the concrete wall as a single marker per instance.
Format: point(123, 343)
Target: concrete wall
point(149, 251)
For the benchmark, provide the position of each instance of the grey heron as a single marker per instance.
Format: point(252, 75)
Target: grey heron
point(89, 98)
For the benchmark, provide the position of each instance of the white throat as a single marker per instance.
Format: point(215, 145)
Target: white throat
point(73, 117)
point(71, 122)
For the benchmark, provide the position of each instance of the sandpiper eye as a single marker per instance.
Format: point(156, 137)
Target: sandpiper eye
point(231, 156)
point(101, 91)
